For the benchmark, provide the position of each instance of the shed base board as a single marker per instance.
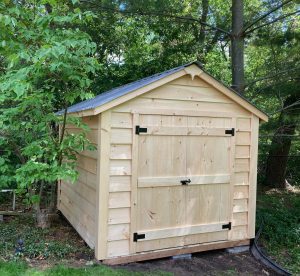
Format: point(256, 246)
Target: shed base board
point(174, 251)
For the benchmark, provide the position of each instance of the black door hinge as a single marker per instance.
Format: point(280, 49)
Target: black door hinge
point(139, 130)
point(230, 131)
point(227, 226)
point(185, 182)
point(137, 237)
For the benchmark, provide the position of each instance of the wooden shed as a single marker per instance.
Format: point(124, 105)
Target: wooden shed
point(174, 171)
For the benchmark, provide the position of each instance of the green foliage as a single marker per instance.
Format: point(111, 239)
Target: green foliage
point(280, 213)
point(49, 64)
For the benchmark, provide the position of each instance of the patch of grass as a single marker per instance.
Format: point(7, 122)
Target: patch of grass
point(280, 212)
point(20, 269)
point(55, 243)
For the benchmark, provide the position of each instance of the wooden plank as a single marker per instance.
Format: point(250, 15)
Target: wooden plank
point(138, 92)
point(120, 152)
point(83, 231)
point(119, 216)
point(121, 120)
point(103, 185)
point(119, 200)
point(121, 136)
point(240, 205)
point(118, 248)
point(243, 138)
point(253, 176)
point(175, 251)
point(240, 219)
point(86, 163)
point(241, 178)
point(120, 167)
point(118, 232)
point(147, 182)
point(239, 232)
point(90, 179)
point(242, 165)
point(242, 151)
point(133, 187)
point(188, 81)
point(182, 231)
point(187, 93)
point(241, 192)
point(181, 105)
point(243, 124)
point(83, 190)
point(120, 183)
point(90, 153)
point(185, 131)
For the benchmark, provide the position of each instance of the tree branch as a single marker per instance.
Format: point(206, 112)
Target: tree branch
point(271, 22)
point(163, 14)
point(247, 26)
point(272, 76)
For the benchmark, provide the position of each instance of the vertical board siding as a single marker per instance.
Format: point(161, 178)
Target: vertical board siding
point(77, 201)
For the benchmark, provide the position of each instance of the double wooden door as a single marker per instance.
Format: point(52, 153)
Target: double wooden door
point(183, 181)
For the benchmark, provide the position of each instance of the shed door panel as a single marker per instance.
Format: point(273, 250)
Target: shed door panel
point(179, 148)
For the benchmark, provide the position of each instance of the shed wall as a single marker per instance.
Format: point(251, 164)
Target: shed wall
point(188, 97)
point(77, 201)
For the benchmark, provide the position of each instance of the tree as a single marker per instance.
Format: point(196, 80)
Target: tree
point(48, 65)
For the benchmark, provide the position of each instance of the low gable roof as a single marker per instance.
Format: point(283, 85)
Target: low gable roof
point(116, 96)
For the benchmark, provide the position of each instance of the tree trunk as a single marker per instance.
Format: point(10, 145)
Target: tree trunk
point(280, 148)
point(237, 46)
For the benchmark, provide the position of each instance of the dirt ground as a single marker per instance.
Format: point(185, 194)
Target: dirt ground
point(217, 262)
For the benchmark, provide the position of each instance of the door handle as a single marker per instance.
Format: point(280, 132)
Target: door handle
point(185, 182)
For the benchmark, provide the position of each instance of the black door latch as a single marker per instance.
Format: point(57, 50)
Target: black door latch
point(185, 182)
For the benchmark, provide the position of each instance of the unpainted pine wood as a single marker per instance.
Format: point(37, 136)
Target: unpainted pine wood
point(90, 121)
point(181, 241)
point(75, 200)
point(133, 186)
point(188, 81)
point(120, 183)
point(239, 232)
point(121, 136)
point(187, 93)
point(90, 153)
point(243, 138)
point(118, 248)
point(119, 216)
point(81, 228)
point(90, 179)
point(242, 164)
point(240, 205)
point(240, 219)
point(147, 182)
point(164, 233)
point(138, 92)
point(83, 190)
point(103, 185)
point(185, 131)
point(120, 151)
point(137, 103)
point(120, 167)
point(241, 178)
point(243, 124)
point(121, 120)
point(242, 151)
point(241, 192)
point(253, 175)
point(119, 200)
point(118, 232)
point(156, 254)
point(86, 163)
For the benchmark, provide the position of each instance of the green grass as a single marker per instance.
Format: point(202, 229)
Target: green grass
point(280, 212)
point(21, 269)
